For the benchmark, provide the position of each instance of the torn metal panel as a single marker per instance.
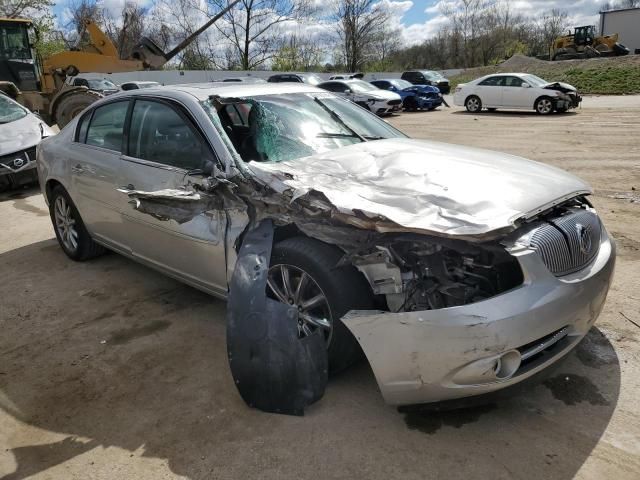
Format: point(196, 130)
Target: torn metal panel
point(424, 186)
point(273, 369)
point(171, 204)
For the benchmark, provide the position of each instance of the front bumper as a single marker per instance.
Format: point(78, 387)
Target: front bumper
point(18, 162)
point(436, 355)
point(568, 101)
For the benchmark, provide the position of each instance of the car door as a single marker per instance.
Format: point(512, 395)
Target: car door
point(490, 91)
point(94, 158)
point(165, 150)
point(514, 94)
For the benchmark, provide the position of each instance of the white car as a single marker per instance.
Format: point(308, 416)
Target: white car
point(516, 91)
point(381, 102)
point(20, 132)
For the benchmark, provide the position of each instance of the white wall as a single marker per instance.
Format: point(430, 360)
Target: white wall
point(172, 77)
point(624, 22)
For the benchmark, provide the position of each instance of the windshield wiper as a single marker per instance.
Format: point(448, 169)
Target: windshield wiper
point(336, 135)
point(374, 137)
point(339, 119)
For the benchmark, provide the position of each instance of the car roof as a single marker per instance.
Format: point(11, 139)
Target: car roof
point(202, 91)
point(345, 80)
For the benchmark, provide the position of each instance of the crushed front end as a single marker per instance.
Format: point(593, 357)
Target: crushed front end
point(466, 319)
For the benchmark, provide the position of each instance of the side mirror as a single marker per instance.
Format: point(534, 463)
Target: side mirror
point(525, 85)
point(207, 168)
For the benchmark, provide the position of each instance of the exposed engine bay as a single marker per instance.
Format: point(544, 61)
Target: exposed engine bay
point(415, 274)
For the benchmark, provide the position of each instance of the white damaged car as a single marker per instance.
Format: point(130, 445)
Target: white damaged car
point(457, 271)
point(516, 91)
point(20, 132)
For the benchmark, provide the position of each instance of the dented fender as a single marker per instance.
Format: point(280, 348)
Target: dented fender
point(273, 369)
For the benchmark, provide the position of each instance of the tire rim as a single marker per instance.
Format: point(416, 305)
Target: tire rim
point(294, 286)
point(66, 224)
point(473, 104)
point(545, 106)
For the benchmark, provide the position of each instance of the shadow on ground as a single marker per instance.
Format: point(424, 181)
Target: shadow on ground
point(111, 354)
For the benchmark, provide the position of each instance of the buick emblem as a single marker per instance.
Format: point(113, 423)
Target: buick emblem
point(584, 239)
point(18, 162)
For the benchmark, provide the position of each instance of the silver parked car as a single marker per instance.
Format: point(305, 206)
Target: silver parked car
point(458, 271)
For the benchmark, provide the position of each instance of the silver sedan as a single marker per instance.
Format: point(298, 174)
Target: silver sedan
point(457, 271)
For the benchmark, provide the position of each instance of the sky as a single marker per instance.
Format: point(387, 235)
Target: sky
point(421, 19)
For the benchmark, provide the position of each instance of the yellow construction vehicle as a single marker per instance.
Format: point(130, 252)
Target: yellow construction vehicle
point(42, 86)
point(584, 43)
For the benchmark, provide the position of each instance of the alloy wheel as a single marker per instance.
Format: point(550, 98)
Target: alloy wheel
point(473, 104)
point(545, 106)
point(293, 286)
point(66, 224)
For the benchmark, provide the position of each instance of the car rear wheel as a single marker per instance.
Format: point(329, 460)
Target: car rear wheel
point(70, 231)
point(304, 272)
point(544, 106)
point(473, 104)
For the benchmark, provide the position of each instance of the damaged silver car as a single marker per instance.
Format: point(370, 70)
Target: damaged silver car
point(457, 271)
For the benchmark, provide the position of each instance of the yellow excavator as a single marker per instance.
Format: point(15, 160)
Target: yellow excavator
point(584, 43)
point(41, 85)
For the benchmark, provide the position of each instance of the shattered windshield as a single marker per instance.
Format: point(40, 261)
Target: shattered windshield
point(276, 128)
point(10, 111)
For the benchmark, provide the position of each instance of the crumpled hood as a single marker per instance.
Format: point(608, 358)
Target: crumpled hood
point(21, 134)
point(561, 85)
point(434, 187)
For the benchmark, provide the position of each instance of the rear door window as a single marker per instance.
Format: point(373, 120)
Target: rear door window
point(107, 122)
point(492, 82)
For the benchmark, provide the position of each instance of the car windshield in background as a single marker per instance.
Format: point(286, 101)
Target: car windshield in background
point(10, 111)
point(276, 128)
point(535, 80)
point(102, 85)
point(401, 84)
point(360, 86)
point(313, 80)
point(432, 75)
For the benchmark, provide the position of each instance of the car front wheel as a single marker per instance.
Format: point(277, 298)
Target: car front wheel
point(70, 231)
point(544, 106)
point(303, 272)
point(473, 104)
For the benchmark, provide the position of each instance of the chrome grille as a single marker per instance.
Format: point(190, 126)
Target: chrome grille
point(568, 243)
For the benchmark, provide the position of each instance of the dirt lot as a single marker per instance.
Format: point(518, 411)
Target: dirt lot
point(110, 370)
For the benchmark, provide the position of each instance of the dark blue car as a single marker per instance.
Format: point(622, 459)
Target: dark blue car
point(426, 96)
point(414, 97)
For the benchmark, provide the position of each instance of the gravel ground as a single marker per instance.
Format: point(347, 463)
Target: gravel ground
point(111, 370)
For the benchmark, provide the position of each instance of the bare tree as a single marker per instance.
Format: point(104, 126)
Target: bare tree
point(127, 28)
point(178, 20)
point(252, 28)
point(358, 23)
point(20, 8)
point(299, 52)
